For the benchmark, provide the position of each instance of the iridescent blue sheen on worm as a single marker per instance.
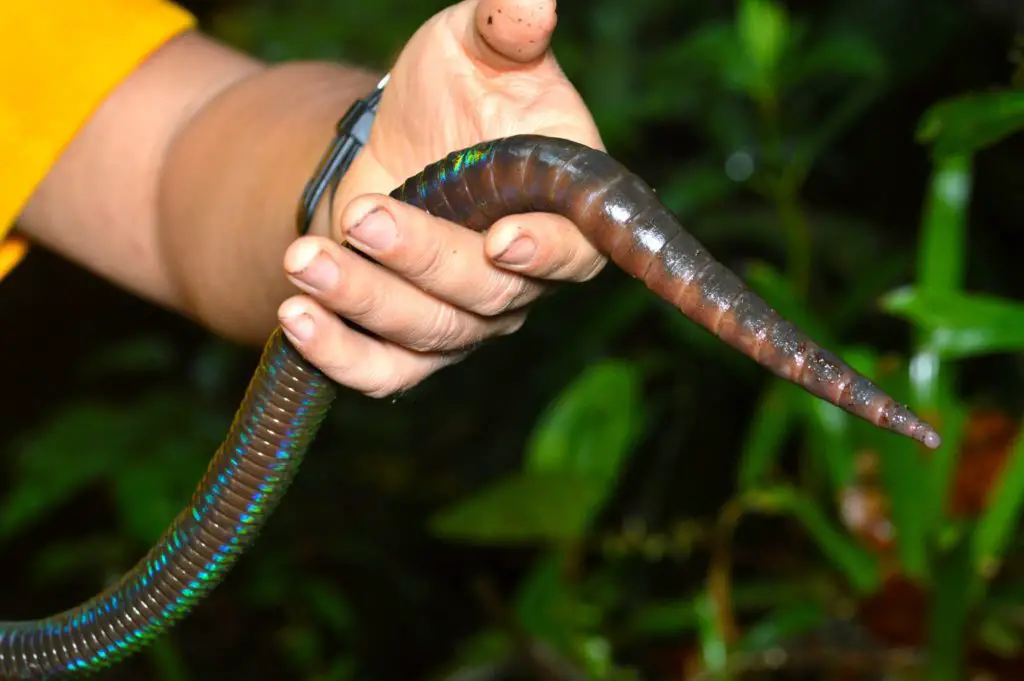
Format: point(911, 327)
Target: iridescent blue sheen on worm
point(287, 398)
point(274, 426)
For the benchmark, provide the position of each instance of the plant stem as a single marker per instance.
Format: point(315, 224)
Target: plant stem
point(784, 192)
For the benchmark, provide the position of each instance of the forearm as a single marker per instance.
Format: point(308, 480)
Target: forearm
point(231, 185)
point(183, 187)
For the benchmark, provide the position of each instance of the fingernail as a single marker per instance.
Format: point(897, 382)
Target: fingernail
point(299, 326)
point(519, 252)
point(376, 231)
point(313, 266)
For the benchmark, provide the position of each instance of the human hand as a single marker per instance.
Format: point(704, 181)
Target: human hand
point(476, 71)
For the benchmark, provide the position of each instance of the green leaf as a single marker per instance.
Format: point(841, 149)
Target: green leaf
point(596, 654)
point(1002, 638)
point(52, 465)
point(905, 475)
point(941, 265)
point(65, 561)
point(138, 355)
point(714, 649)
point(839, 54)
point(150, 492)
point(680, 616)
point(961, 325)
point(169, 662)
point(941, 260)
point(525, 508)
point(783, 623)
point(952, 594)
point(970, 122)
point(546, 604)
point(711, 51)
point(943, 466)
point(859, 566)
point(762, 447)
point(591, 428)
point(764, 31)
point(1003, 515)
point(331, 607)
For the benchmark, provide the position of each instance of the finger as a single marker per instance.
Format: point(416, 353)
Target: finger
point(386, 304)
point(372, 366)
point(438, 256)
point(543, 245)
point(511, 32)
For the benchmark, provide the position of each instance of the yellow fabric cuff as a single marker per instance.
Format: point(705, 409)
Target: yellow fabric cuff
point(63, 58)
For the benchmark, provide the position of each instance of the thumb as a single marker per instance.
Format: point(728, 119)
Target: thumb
point(508, 34)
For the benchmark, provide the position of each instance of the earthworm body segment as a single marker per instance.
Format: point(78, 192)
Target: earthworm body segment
point(287, 398)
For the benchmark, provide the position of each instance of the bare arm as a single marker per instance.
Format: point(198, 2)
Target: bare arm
point(182, 187)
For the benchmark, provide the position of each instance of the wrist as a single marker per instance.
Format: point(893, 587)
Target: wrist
point(230, 186)
point(346, 169)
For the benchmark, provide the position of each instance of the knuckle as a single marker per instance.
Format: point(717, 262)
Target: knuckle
point(444, 331)
point(591, 267)
point(504, 294)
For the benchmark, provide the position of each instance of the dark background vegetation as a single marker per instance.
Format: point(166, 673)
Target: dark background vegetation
point(610, 493)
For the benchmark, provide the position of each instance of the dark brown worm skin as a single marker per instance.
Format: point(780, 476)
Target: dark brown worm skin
point(623, 218)
point(287, 399)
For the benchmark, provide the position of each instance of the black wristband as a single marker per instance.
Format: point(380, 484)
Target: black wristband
point(351, 134)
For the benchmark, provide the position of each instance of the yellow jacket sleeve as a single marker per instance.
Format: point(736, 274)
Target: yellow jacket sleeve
point(61, 59)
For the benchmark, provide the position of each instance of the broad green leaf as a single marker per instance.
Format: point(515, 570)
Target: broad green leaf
point(592, 426)
point(525, 508)
point(1003, 516)
point(151, 490)
point(771, 424)
point(859, 566)
point(971, 122)
point(764, 30)
point(961, 325)
point(71, 451)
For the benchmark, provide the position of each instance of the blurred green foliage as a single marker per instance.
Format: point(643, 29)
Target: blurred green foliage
point(613, 483)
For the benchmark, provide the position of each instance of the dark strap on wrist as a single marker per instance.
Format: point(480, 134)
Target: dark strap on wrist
point(351, 134)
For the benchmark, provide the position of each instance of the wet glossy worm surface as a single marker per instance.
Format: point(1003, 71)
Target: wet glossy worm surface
point(287, 398)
